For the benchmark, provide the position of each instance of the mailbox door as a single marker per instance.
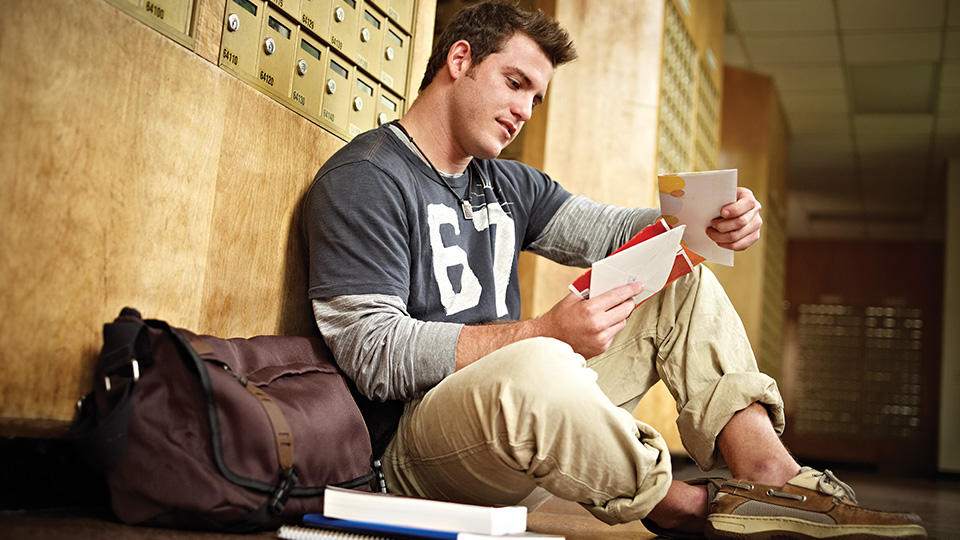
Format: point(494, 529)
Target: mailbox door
point(315, 16)
point(401, 11)
point(343, 27)
point(240, 44)
point(307, 88)
point(395, 47)
point(372, 24)
point(363, 105)
point(335, 105)
point(172, 13)
point(290, 7)
point(277, 49)
point(388, 107)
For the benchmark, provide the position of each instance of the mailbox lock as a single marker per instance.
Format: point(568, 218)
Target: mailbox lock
point(365, 35)
point(302, 67)
point(339, 14)
point(331, 86)
point(390, 53)
point(269, 45)
point(382, 119)
point(357, 104)
point(233, 22)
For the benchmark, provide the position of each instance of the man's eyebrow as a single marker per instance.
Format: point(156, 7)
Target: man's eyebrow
point(514, 70)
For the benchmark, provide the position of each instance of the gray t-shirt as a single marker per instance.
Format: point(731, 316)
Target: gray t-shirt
point(378, 220)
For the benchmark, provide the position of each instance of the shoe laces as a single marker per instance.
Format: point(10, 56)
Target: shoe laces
point(831, 485)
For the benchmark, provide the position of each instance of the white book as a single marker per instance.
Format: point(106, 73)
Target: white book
point(389, 509)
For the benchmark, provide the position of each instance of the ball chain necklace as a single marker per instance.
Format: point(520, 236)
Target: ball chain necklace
point(464, 201)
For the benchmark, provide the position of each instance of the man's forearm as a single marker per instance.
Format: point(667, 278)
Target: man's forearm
point(477, 341)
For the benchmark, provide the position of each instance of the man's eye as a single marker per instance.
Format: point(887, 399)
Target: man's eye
point(513, 83)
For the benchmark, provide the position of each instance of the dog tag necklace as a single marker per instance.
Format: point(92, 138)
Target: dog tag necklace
point(464, 201)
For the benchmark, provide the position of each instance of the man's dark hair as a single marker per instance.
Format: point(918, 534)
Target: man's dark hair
point(488, 25)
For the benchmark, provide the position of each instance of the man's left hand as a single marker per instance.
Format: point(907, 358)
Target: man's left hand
point(738, 226)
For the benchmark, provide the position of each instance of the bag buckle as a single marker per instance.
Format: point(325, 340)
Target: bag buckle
point(134, 370)
point(288, 477)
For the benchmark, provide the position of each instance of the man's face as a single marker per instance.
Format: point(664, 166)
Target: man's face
point(495, 98)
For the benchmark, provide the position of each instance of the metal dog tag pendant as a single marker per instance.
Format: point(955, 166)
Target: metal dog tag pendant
point(467, 209)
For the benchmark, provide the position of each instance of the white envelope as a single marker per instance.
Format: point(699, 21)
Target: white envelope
point(704, 195)
point(648, 262)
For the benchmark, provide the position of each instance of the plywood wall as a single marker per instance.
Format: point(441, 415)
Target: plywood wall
point(137, 173)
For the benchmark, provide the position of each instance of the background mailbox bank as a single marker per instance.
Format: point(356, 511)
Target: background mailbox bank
point(328, 60)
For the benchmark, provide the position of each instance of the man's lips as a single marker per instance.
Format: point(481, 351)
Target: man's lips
point(510, 128)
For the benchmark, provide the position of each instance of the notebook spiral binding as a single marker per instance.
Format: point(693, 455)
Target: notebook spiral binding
point(292, 532)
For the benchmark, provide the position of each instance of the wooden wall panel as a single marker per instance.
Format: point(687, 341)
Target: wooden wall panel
point(136, 172)
point(600, 139)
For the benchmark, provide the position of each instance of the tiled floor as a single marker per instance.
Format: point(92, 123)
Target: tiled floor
point(937, 501)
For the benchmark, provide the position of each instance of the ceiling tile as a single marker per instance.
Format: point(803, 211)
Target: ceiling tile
point(733, 51)
point(953, 16)
point(950, 75)
point(893, 144)
point(948, 125)
point(783, 15)
point(818, 77)
point(792, 49)
point(892, 88)
point(948, 104)
point(893, 124)
point(951, 49)
point(826, 101)
point(815, 123)
point(888, 179)
point(866, 48)
point(890, 14)
point(821, 152)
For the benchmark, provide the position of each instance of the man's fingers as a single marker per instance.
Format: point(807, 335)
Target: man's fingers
point(618, 295)
point(723, 235)
point(744, 203)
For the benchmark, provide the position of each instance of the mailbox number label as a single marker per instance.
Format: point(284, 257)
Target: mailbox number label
point(155, 10)
point(266, 77)
point(308, 21)
point(230, 57)
point(298, 97)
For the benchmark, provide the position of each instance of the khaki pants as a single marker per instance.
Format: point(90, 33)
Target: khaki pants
point(534, 413)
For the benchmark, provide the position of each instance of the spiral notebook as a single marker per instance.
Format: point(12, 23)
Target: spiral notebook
point(294, 532)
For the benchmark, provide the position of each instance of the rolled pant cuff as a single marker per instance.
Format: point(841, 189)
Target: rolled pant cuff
point(651, 487)
point(705, 414)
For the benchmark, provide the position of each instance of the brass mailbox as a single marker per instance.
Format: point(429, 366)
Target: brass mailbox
point(315, 16)
point(240, 43)
point(396, 45)
point(401, 11)
point(363, 104)
point(290, 7)
point(335, 105)
point(343, 27)
point(172, 13)
point(388, 107)
point(372, 24)
point(306, 91)
point(278, 39)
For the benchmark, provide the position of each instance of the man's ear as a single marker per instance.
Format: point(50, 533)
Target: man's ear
point(459, 59)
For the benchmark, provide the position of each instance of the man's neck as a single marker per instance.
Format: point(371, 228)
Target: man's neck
point(428, 126)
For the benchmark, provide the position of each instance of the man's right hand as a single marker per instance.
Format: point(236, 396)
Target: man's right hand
point(589, 326)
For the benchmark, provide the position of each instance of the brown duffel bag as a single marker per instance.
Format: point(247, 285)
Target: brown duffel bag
point(228, 434)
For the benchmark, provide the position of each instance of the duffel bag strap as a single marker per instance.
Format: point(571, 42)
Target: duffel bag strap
point(100, 431)
point(282, 433)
